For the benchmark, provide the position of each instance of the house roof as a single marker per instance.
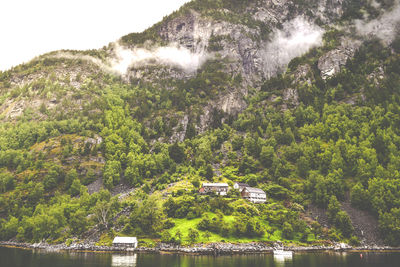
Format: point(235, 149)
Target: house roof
point(216, 184)
point(242, 184)
point(124, 240)
point(254, 190)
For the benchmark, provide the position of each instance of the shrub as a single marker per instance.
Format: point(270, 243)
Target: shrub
point(193, 235)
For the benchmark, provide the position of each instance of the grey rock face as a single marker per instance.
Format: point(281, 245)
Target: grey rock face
point(331, 63)
point(301, 74)
point(291, 97)
point(244, 47)
point(180, 130)
point(193, 31)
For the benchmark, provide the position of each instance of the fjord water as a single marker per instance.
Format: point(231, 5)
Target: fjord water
point(12, 257)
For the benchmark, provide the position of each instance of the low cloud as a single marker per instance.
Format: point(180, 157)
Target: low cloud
point(171, 55)
point(385, 27)
point(125, 59)
point(295, 38)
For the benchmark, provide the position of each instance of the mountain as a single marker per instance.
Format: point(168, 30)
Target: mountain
point(298, 98)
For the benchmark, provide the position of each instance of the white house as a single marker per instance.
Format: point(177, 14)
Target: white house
point(218, 188)
point(125, 241)
point(254, 195)
point(240, 186)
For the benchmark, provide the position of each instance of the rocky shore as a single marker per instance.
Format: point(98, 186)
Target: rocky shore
point(197, 249)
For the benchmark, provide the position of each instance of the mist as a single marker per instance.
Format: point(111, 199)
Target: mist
point(171, 55)
point(295, 38)
point(385, 27)
point(124, 58)
point(99, 63)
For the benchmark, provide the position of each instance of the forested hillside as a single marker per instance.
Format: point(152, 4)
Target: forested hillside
point(87, 153)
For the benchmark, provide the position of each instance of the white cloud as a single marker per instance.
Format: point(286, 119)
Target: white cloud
point(171, 55)
point(296, 37)
point(384, 27)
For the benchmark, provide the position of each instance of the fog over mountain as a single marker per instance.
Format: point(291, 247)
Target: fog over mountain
point(384, 27)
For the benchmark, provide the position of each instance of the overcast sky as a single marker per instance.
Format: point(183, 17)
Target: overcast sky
point(33, 27)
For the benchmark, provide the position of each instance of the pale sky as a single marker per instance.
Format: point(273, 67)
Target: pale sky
point(32, 27)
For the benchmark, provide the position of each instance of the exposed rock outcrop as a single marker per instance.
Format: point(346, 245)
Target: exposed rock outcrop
point(332, 62)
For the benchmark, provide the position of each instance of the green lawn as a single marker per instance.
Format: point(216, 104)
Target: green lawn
point(184, 225)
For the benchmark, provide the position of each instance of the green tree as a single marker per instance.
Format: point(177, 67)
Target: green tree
point(71, 176)
point(148, 215)
point(75, 188)
point(193, 235)
point(237, 142)
point(333, 209)
point(340, 219)
point(78, 222)
point(178, 235)
point(166, 237)
point(177, 153)
point(359, 197)
point(343, 223)
point(208, 173)
point(303, 166)
point(50, 181)
point(36, 194)
point(389, 224)
point(105, 209)
point(9, 228)
point(207, 235)
point(190, 131)
point(6, 182)
point(267, 156)
point(111, 175)
point(90, 176)
point(287, 231)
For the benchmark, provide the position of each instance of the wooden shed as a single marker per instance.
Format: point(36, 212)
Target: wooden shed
point(125, 242)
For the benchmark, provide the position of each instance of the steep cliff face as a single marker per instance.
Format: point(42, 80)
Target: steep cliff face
point(251, 44)
point(255, 42)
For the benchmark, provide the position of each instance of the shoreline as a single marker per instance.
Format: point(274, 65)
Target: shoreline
point(197, 249)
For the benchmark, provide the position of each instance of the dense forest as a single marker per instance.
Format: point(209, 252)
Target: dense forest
point(340, 143)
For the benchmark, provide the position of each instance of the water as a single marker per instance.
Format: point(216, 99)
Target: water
point(12, 257)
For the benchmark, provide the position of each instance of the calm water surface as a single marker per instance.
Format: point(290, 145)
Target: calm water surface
point(12, 257)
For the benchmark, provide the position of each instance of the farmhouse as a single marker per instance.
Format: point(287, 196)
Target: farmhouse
point(254, 195)
point(240, 186)
point(218, 188)
point(125, 242)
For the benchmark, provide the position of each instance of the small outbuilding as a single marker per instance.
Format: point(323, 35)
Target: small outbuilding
point(125, 242)
point(254, 195)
